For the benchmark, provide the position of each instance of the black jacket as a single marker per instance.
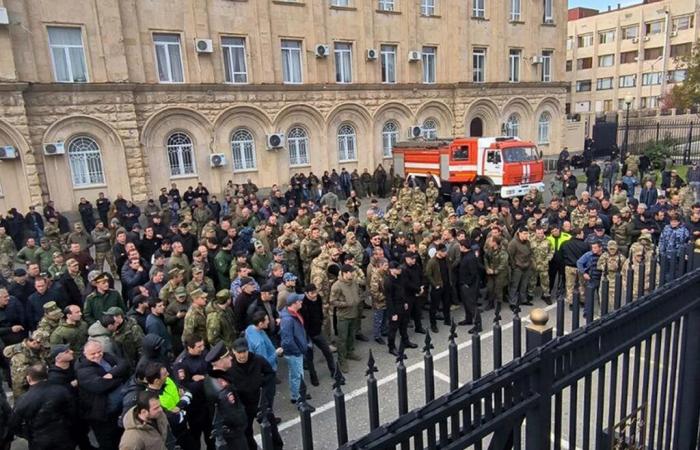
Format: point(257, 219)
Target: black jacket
point(572, 250)
point(412, 277)
point(249, 377)
point(44, 416)
point(395, 295)
point(469, 269)
point(312, 312)
point(71, 291)
point(94, 391)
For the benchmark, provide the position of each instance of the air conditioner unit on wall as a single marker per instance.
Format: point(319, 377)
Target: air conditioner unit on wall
point(371, 54)
point(56, 148)
point(275, 141)
point(414, 56)
point(415, 131)
point(217, 160)
point(322, 50)
point(204, 45)
point(537, 59)
point(8, 152)
point(635, 40)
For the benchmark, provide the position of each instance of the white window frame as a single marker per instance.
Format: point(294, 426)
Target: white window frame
point(543, 128)
point(179, 149)
point(291, 50)
point(650, 102)
point(429, 58)
point(342, 52)
point(606, 60)
point(514, 61)
point(429, 129)
point(651, 78)
point(341, 3)
point(547, 56)
point(298, 146)
point(625, 32)
point(347, 143)
point(479, 64)
point(584, 40)
point(85, 162)
point(579, 83)
point(388, 59)
point(515, 10)
point(239, 148)
point(604, 84)
point(427, 7)
point(548, 16)
point(386, 5)
point(606, 37)
point(623, 81)
point(168, 69)
point(655, 27)
point(65, 50)
point(673, 75)
point(687, 21)
point(513, 125)
point(479, 8)
point(390, 135)
point(230, 46)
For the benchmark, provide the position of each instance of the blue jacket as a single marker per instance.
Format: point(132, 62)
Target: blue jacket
point(156, 325)
point(260, 344)
point(293, 334)
point(588, 263)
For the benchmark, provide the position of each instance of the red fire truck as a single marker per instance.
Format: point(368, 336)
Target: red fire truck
point(508, 165)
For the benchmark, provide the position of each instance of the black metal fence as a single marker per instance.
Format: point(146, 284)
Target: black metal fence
point(683, 137)
point(627, 377)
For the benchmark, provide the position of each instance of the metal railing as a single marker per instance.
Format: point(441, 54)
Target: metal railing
point(683, 138)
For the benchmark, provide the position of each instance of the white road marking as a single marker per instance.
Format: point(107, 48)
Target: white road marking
point(419, 365)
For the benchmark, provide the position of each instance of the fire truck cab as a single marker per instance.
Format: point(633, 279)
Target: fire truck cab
point(509, 166)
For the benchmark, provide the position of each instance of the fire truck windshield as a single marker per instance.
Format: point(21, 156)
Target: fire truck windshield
point(520, 154)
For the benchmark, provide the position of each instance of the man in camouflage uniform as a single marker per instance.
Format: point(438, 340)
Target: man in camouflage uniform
point(405, 194)
point(72, 330)
point(635, 259)
point(222, 263)
point(220, 320)
point(497, 272)
point(58, 267)
point(324, 272)
point(44, 255)
point(52, 232)
point(352, 246)
point(645, 245)
point(196, 318)
point(201, 215)
point(431, 194)
point(79, 236)
point(542, 253)
point(30, 351)
point(610, 263)
point(621, 230)
point(199, 281)
point(377, 271)
point(176, 278)
point(51, 319)
point(291, 257)
point(309, 250)
point(632, 162)
point(7, 254)
point(178, 259)
point(103, 248)
point(128, 335)
point(579, 216)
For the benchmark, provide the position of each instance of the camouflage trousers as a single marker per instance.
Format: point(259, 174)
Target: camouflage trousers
point(327, 327)
point(6, 267)
point(611, 292)
point(101, 257)
point(572, 274)
point(495, 285)
point(543, 276)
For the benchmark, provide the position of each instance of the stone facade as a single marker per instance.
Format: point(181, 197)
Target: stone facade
point(130, 116)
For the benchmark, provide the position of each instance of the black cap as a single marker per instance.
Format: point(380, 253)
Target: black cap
point(20, 272)
point(57, 350)
point(347, 268)
point(240, 345)
point(246, 280)
point(394, 265)
point(216, 353)
point(268, 287)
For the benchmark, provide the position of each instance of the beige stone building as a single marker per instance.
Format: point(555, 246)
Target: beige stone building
point(128, 96)
point(632, 52)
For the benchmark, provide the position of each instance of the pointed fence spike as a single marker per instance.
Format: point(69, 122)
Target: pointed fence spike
point(402, 353)
point(338, 377)
point(428, 343)
point(371, 367)
point(453, 330)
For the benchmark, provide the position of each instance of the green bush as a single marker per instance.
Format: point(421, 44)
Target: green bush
point(657, 152)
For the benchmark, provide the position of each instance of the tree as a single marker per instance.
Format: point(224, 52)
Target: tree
point(687, 94)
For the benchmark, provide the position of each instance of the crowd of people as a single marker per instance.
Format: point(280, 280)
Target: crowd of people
point(181, 338)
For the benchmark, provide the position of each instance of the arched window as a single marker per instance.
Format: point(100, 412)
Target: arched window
point(85, 162)
point(346, 143)
point(298, 144)
point(243, 148)
point(390, 134)
point(513, 125)
point(180, 155)
point(430, 128)
point(543, 128)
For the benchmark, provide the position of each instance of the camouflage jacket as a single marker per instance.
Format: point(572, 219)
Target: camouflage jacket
point(496, 261)
point(542, 253)
point(221, 325)
point(376, 289)
point(129, 337)
point(195, 322)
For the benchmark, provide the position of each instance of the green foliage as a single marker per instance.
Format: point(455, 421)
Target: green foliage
point(657, 152)
point(688, 94)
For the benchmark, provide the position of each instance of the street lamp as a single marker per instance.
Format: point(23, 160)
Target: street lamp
point(628, 102)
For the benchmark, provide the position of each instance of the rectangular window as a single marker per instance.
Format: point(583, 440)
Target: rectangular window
point(583, 86)
point(514, 10)
point(606, 60)
point(628, 57)
point(682, 23)
point(677, 76)
point(627, 81)
point(340, 2)
point(649, 102)
point(621, 105)
point(291, 61)
point(427, 7)
point(386, 5)
point(429, 56)
point(653, 53)
point(681, 50)
point(655, 27)
point(606, 37)
point(584, 63)
point(548, 11)
point(234, 59)
point(651, 78)
point(570, 43)
point(546, 66)
point(585, 40)
point(603, 84)
point(388, 54)
point(630, 32)
point(514, 57)
point(607, 105)
point(67, 55)
point(569, 65)
point(479, 8)
point(169, 58)
point(343, 62)
point(479, 65)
